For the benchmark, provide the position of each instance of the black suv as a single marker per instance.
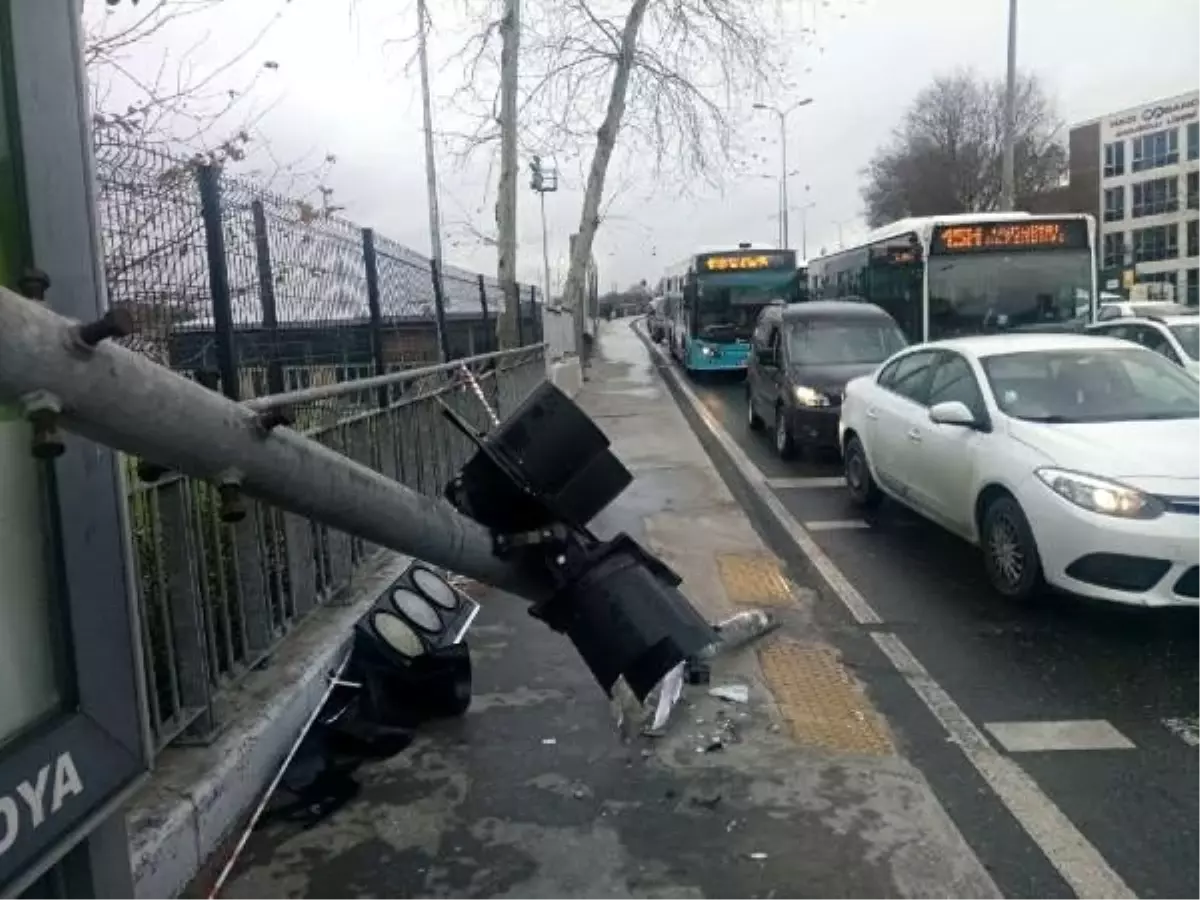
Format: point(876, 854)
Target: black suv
point(802, 357)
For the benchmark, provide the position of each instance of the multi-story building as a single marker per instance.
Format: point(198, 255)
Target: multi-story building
point(1138, 172)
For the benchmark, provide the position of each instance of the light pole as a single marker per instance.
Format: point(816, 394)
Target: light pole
point(803, 210)
point(544, 181)
point(783, 170)
point(1008, 173)
point(431, 187)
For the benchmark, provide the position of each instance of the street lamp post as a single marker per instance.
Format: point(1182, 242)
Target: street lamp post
point(544, 180)
point(783, 170)
point(1008, 173)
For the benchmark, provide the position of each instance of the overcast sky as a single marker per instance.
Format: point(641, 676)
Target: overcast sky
point(342, 87)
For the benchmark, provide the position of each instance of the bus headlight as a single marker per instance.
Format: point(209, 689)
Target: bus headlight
point(807, 396)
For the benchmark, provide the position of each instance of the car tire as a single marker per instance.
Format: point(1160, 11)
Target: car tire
point(1010, 554)
point(864, 492)
point(753, 420)
point(785, 444)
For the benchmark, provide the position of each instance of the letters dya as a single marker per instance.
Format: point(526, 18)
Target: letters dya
point(33, 801)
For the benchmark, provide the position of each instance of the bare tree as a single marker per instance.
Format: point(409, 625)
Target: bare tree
point(663, 73)
point(947, 154)
point(159, 113)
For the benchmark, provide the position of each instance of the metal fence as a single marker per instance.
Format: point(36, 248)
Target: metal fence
point(216, 598)
point(256, 294)
point(261, 293)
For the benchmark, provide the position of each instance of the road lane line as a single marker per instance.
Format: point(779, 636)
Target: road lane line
point(835, 524)
point(1073, 855)
point(1066, 734)
point(1079, 863)
point(802, 483)
point(1186, 729)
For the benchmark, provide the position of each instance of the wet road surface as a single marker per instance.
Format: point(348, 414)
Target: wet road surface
point(1112, 690)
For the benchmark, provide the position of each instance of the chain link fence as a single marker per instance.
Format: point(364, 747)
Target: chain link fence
point(253, 294)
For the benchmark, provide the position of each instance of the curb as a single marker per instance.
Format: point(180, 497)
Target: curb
point(198, 796)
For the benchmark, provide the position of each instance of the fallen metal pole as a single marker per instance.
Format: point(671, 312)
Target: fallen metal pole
point(121, 399)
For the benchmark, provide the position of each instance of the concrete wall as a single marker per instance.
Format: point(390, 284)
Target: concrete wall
point(199, 797)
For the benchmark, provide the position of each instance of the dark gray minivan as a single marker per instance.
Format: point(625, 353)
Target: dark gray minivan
point(803, 354)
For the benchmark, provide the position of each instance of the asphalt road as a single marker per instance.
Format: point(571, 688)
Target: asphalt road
point(1127, 782)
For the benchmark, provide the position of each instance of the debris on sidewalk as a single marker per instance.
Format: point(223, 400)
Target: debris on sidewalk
point(549, 742)
point(669, 693)
point(739, 630)
point(734, 693)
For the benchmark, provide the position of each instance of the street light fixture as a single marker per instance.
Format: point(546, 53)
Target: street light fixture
point(783, 169)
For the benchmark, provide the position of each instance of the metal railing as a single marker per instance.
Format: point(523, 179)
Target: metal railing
point(217, 598)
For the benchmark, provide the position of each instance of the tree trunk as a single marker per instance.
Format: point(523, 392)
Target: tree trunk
point(606, 139)
point(507, 328)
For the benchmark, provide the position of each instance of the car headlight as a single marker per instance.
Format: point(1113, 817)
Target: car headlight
point(807, 396)
point(707, 351)
point(1099, 495)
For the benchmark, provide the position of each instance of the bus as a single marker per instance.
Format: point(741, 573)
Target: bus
point(712, 299)
point(954, 275)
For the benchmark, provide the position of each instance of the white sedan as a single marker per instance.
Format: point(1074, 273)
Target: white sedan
point(1069, 459)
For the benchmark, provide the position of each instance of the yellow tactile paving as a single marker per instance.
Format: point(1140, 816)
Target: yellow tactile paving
point(821, 702)
point(753, 579)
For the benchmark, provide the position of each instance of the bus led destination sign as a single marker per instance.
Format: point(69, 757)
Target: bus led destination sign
point(742, 262)
point(1040, 235)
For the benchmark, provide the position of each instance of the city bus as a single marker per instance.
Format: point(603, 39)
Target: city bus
point(954, 275)
point(712, 299)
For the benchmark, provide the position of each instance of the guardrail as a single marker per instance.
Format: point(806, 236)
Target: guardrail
point(217, 598)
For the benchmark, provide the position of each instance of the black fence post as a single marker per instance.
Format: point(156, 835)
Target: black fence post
point(487, 331)
point(536, 324)
point(209, 182)
point(520, 324)
point(266, 297)
point(439, 309)
point(372, 263)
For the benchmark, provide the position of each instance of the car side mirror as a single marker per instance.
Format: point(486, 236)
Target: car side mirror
point(952, 412)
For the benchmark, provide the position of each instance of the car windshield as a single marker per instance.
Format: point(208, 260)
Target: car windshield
point(1084, 385)
point(846, 341)
point(1189, 339)
point(991, 292)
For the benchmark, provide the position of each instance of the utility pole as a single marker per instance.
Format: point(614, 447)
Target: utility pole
point(783, 169)
point(435, 226)
point(1008, 174)
point(506, 201)
point(545, 181)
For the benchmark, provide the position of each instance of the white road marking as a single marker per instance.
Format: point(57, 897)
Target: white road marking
point(1071, 854)
point(835, 524)
point(1067, 734)
point(1186, 729)
point(789, 484)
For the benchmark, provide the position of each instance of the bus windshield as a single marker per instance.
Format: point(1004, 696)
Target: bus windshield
point(988, 292)
point(727, 313)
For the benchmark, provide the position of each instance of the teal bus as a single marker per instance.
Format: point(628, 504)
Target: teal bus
point(712, 299)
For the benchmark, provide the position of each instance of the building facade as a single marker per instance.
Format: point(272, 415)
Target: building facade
point(1143, 165)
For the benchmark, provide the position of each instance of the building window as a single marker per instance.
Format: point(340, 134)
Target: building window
point(1193, 190)
point(1159, 148)
point(1193, 237)
point(1194, 141)
point(1114, 204)
point(1193, 287)
point(1152, 198)
point(1114, 250)
point(1114, 159)
point(1151, 244)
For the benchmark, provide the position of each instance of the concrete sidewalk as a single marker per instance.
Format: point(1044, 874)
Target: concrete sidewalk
point(534, 794)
